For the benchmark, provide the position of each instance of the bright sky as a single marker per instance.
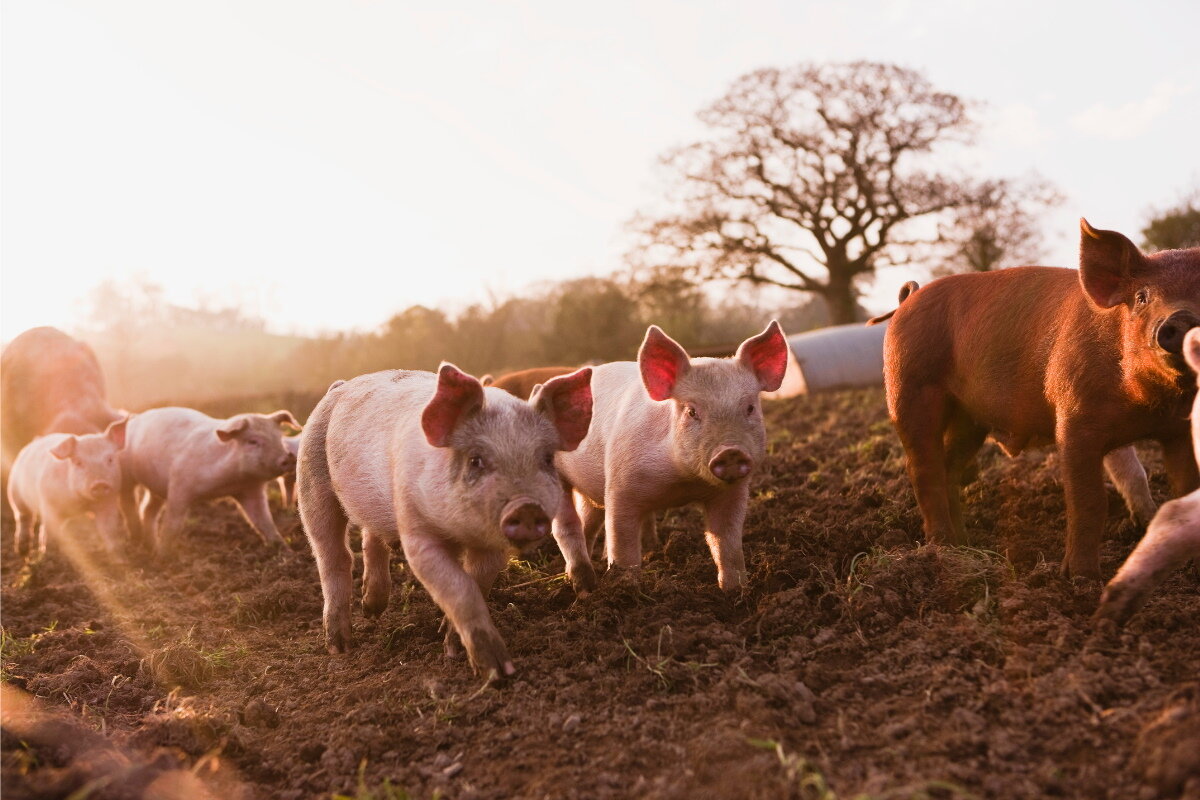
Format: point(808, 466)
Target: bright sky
point(329, 163)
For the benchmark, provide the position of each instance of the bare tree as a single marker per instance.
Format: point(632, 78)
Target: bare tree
point(999, 227)
point(812, 179)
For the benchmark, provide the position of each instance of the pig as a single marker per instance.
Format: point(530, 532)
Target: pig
point(287, 481)
point(59, 477)
point(521, 383)
point(1090, 361)
point(669, 430)
point(457, 473)
point(1173, 537)
point(181, 455)
point(49, 383)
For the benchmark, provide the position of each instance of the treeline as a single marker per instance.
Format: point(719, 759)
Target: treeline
point(154, 352)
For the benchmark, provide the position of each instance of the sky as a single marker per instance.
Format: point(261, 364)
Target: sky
point(327, 164)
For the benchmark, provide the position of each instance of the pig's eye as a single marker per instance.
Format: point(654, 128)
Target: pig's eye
point(548, 460)
point(475, 462)
point(750, 409)
point(1141, 298)
point(253, 442)
point(691, 412)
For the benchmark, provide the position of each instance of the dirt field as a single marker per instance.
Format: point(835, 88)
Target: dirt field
point(856, 663)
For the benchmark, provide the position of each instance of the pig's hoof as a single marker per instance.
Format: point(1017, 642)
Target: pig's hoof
point(452, 645)
point(583, 580)
point(488, 653)
point(373, 606)
point(338, 642)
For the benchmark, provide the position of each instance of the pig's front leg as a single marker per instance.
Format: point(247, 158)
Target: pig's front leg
point(460, 598)
point(483, 566)
point(27, 525)
point(171, 521)
point(151, 514)
point(1179, 458)
point(623, 530)
point(1129, 476)
point(725, 515)
point(110, 523)
point(253, 503)
point(129, 510)
point(569, 534)
point(1087, 504)
point(1172, 539)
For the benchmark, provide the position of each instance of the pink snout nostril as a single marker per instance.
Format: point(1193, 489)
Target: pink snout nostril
point(731, 464)
point(101, 489)
point(528, 523)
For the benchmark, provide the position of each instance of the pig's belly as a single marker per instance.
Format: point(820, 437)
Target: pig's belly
point(365, 492)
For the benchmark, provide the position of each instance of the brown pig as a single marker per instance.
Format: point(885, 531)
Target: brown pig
point(49, 383)
point(521, 383)
point(458, 473)
point(1090, 361)
point(182, 455)
point(61, 476)
point(1172, 539)
point(667, 431)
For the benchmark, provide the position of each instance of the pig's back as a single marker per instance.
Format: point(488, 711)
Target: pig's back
point(371, 420)
point(156, 439)
point(28, 469)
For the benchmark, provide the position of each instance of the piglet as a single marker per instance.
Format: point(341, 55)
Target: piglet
point(182, 455)
point(457, 473)
point(1172, 539)
point(669, 430)
point(58, 477)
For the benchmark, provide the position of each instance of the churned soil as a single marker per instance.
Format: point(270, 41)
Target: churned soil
point(857, 662)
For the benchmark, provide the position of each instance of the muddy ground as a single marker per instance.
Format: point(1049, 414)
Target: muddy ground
point(856, 663)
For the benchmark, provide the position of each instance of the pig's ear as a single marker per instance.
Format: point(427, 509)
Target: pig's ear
point(766, 355)
point(1108, 264)
point(567, 401)
point(457, 396)
point(487, 380)
point(1191, 349)
point(116, 432)
point(65, 448)
point(232, 428)
point(284, 417)
point(662, 362)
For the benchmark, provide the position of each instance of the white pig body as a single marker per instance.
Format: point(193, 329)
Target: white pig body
point(58, 477)
point(1172, 539)
point(455, 473)
point(183, 456)
point(668, 431)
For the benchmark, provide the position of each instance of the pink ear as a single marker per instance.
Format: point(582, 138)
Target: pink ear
point(1107, 263)
point(232, 429)
point(1191, 349)
point(457, 395)
point(65, 448)
point(116, 432)
point(662, 362)
point(766, 355)
point(567, 401)
point(283, 416)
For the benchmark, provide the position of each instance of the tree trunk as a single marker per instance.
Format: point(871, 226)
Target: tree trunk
point(842, 301)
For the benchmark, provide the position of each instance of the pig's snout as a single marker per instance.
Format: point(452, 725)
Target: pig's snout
point(524, 521)
point(731, 464)
point(100, 489)
point(1171, 330)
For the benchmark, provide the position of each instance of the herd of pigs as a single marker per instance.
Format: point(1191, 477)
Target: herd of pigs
point(460, 471)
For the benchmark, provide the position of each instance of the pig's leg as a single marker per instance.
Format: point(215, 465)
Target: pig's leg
point(1180, 461)
point(328, 531)
point(622, 531)
point(377, 576)
point(257, 512)
point(459, 596)
point(171, 521)
point(1172, 539)
point(483, 566)
point(1129, 476)
point(592, 518)
point(109, 522)
point(569, 533)
point(650, 540)
point(26, 527)
point(129, 510)
point(1087, 504)
point(962, 441)
point(724, 517)
point(152, 506)
point(920, 421)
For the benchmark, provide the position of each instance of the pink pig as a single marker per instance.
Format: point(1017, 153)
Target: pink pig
point(457, 473)
point(1172, 538)
point(58, 477)
point(669, 430)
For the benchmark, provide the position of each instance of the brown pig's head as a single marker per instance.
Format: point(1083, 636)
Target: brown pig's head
point(261, 453)
point(93, 461)
point(1157, 296)
point(502, 478)
point(717, 426)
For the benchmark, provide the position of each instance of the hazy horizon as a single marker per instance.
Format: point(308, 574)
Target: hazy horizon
point(326, 169)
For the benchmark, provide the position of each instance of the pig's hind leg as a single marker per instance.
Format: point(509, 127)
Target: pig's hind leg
point(1129, 476)
point(377, 576)
point(920, 419)
point(27, 525)
point(962, 440)
point(328, 531)
point(1172, 539)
